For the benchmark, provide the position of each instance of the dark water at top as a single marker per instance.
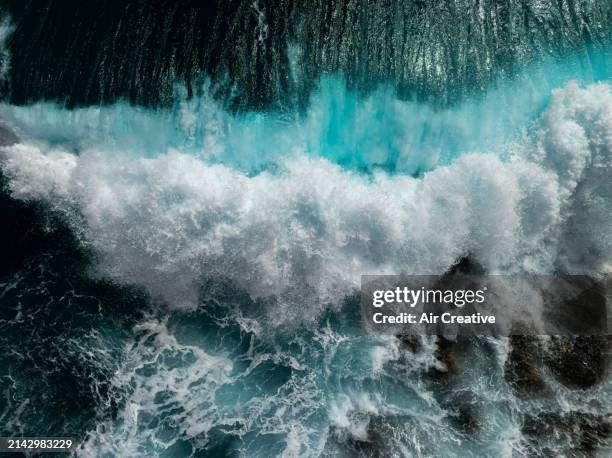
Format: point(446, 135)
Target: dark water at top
point(271, 53)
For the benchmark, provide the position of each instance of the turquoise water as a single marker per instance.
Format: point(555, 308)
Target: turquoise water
point(361, 132)
point(282, 207)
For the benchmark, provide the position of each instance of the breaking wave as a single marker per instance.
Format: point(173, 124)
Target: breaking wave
point(378, 131)
point(306, 230)
point(249, 232)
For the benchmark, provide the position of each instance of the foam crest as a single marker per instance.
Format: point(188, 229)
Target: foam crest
point(168, 221)
point(575, 137)
point(305, 232)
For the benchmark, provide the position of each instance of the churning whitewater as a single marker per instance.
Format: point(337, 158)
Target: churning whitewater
point(306, 230)
point(193, 284)
point(296, 237)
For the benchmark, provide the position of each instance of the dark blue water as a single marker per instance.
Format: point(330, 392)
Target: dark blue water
point(180, 271)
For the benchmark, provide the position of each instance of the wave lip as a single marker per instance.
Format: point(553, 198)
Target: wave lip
point(379, 131)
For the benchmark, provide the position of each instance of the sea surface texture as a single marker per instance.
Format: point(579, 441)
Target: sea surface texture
point(191, 191)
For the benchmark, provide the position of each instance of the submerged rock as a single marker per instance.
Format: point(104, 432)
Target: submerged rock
point(574, 433)
point(523, 366)
point(578, 306)
point(409, 342)
point(466, 418)
point(578, 362)
point(467, 265)
point(374, 444)
point(447, 353)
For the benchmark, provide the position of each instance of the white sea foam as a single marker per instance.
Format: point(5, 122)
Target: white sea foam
point(305, 232)
point(168, 380)
point(170, 392)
